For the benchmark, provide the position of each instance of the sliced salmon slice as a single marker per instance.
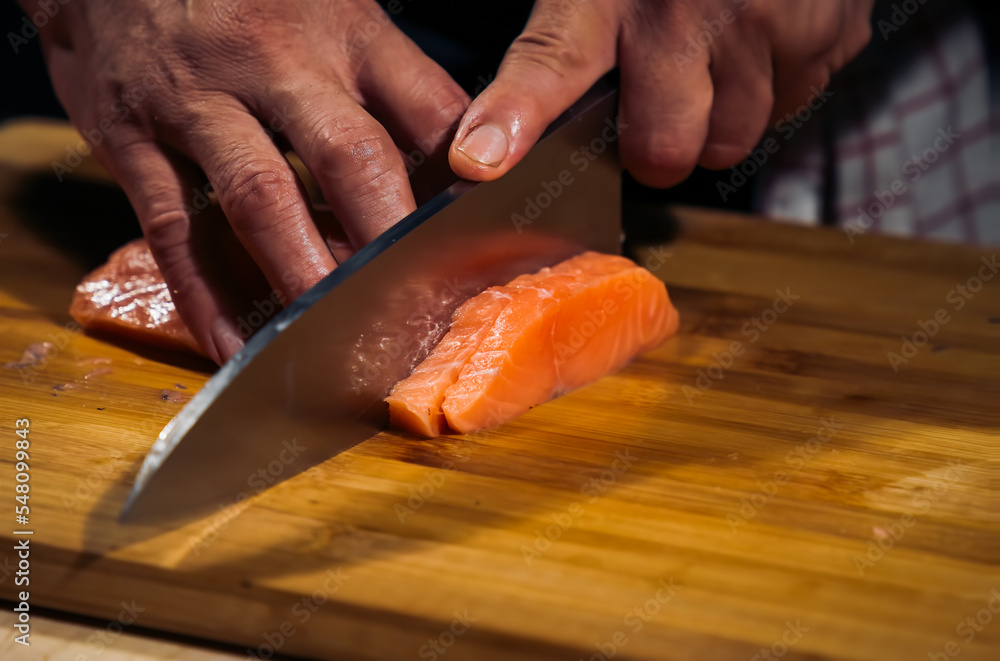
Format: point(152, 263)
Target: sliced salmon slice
point(513, 368)
point(415, 402)
point(562, 328)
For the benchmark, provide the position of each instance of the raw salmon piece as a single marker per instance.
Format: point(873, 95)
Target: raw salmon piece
point(564, 327)
point(128, 297)
point(621, 311)
point(415, 402)
point(512, 370)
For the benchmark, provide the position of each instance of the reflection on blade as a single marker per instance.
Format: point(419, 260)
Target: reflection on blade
point(310, 384)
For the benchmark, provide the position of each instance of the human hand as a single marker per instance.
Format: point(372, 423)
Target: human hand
point(699, 78)
point(171, 93)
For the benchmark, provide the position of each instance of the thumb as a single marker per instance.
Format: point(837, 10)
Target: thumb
point(565, 47)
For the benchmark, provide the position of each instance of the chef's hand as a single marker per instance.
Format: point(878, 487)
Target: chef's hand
point(699, 78)
point(176, 92)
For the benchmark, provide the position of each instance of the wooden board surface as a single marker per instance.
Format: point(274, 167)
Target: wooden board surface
point(751, 486)
point(55, 638)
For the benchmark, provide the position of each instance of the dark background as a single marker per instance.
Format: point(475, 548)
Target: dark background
point(441, 28)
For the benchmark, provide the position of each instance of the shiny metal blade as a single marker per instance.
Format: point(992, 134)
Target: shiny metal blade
point(310, 384)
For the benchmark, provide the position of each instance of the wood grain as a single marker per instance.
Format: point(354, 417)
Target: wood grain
point(646, 516)
point(58, 639)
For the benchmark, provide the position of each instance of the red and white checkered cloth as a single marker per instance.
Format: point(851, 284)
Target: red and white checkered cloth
point(906, 145)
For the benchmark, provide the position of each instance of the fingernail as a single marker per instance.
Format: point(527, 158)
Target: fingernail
point(487, 144)
point(227, 342)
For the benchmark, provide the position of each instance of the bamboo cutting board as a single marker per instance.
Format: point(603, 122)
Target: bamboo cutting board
point(770, 483)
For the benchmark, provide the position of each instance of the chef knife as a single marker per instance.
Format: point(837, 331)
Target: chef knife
point(311, 383)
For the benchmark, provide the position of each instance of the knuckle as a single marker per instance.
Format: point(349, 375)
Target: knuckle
point(241, 26)
point(355, 156)
point(449, 106)
point(447, 99)
point(452, 106)
point(167, 232)
point(554, 47)
point(662, 153)
point(660, 157)
point(166, 229)
point(255, 189)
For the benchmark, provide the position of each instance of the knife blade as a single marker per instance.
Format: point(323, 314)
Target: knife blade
point(311, 383)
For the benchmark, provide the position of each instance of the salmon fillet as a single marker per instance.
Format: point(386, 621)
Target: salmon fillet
point(416, 402)
point(128, 297)
point(539, 336)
